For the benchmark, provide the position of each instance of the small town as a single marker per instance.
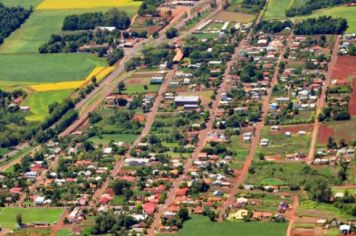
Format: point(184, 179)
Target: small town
point(177, 117)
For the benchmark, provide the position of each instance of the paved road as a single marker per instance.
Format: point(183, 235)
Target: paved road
point(322, 100)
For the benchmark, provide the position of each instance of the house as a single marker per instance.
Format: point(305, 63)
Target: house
point(39, 200)
point(186, 100)
point(149, 207)
point(257, 215)
point(218, 193)
point(238, 215)
point(157, 80)
point(179, 55)
point(264, 142)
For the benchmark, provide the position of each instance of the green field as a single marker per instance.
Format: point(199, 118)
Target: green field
point(345, 12)
point(269, 173)
point(202, 226)
point(46, 68)
point(136, 89)
point(40, 101)
point(24, 3)
point(29, 215)
point(107, 138)
point(276, 9)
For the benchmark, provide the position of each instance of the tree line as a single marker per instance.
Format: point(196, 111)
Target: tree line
point(321, 25)
point(273, 26)
point(113, 18)
point(149, 7)
point(11, 18)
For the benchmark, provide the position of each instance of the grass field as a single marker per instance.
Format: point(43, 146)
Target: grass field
point(24, 3)
point(37, 68)
point(276, 9)
point(345, 12)
point(107, 138)
point(39, 102)
point(29, 215)
point(269, 173)
point(84, 4)
point(202, 226)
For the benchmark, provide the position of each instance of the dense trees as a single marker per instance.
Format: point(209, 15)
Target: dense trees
point(171, 33)
point(113, 18)
point(253, 6)
point(11, 18)
point(310, 5)
point(149, 7)
point(321, 25)
point(273, 26)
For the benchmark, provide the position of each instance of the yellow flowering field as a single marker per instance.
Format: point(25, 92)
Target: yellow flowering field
point(100, 72)
point(85, 4)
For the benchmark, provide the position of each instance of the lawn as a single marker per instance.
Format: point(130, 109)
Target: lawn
point(29, 215)
point(202, 226)
point(107, 138)
point(39, 102)
point(342, 11)
point(38, 68)
point(137, 89)
point(87, 4)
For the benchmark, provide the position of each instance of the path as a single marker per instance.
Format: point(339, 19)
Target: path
point(321, 103)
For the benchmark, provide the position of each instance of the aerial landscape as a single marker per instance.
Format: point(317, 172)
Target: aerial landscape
point(178, 117)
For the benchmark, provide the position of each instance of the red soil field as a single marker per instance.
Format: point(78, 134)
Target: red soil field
point(324, 133)
point(344, 69)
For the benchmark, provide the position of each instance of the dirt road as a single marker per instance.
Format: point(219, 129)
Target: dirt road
point(321, 103)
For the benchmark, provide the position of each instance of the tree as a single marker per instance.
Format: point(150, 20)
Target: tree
point(121, 86)
point(171, 33)
point(183, 214)
point(319, 190)
point(19, 219)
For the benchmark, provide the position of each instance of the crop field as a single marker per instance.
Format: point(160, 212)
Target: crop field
point(276, 9)
point(24, 3)
point(84, 4)
point(337, 130)
point(202, 226)
point(39, 102)
point(29, 215)
point(99, 72)
point(47, 68)
point(344, 69)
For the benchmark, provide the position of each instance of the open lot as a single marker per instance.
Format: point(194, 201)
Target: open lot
point(201, 226)
point(107, 138)
point(234, 17)
point(29, 215)
point(276, 9)
point(280, 145)
point(344, 70)
point(337, 130)
point(40, 101)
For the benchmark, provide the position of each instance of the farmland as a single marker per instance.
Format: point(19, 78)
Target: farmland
point(90, 4)
point(29, 215)
point(47, 68)
point(201, 226)
point(337, 130)
point(40, 101)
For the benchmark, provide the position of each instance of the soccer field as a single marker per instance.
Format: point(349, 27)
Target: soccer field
point(29, 215)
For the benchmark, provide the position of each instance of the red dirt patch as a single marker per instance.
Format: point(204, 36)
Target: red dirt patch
point(352, 103)
point(344, 69)
point(324, 133)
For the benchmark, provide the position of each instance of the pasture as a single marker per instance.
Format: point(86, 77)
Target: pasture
point(202, 226)
point(105, 139)
point(40, 101)
point(87, 4)
point(29, 215)
point(36, 68)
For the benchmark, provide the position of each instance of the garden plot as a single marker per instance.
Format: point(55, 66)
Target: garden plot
point(290, 142)
point(140, 83)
